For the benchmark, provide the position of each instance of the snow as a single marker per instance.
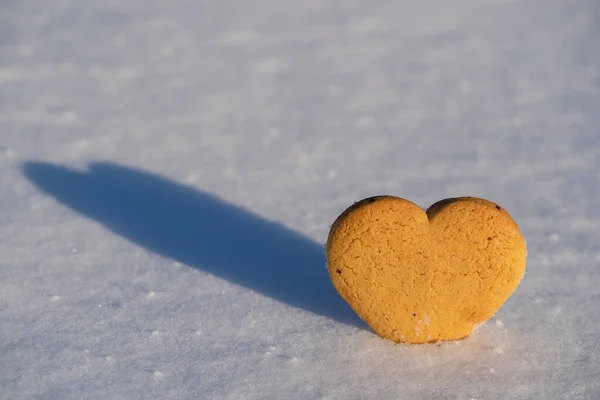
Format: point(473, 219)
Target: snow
point(169, 170)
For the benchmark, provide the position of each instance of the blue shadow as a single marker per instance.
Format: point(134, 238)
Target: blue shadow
point(199, 230)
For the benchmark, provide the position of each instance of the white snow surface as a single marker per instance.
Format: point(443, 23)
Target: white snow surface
point(169, 170)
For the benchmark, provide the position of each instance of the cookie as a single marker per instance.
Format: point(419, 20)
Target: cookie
point(424, 276)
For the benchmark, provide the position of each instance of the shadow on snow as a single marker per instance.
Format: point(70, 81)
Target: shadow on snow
point(200, 230)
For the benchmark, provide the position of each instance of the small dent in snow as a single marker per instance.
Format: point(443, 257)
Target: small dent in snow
point(7, 152)
point(367, 25)
point(269, 65)
point(191, 178)
point(366, 121)
point(63, 115)
point(556, 311)
point(335, 89)
point(158, 375)
point(241, 37)
point(273, 132)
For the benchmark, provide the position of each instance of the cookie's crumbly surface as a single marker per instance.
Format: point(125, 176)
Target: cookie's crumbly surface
point(417, 276)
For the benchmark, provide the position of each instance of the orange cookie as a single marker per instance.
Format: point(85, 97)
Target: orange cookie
point(419, 277)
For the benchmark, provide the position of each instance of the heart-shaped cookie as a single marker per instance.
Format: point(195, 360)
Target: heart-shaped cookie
point(422, 276)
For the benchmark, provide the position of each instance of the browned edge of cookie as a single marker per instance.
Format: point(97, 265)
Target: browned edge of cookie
point(347, 212)
point(438, 206)
point(432, 211)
